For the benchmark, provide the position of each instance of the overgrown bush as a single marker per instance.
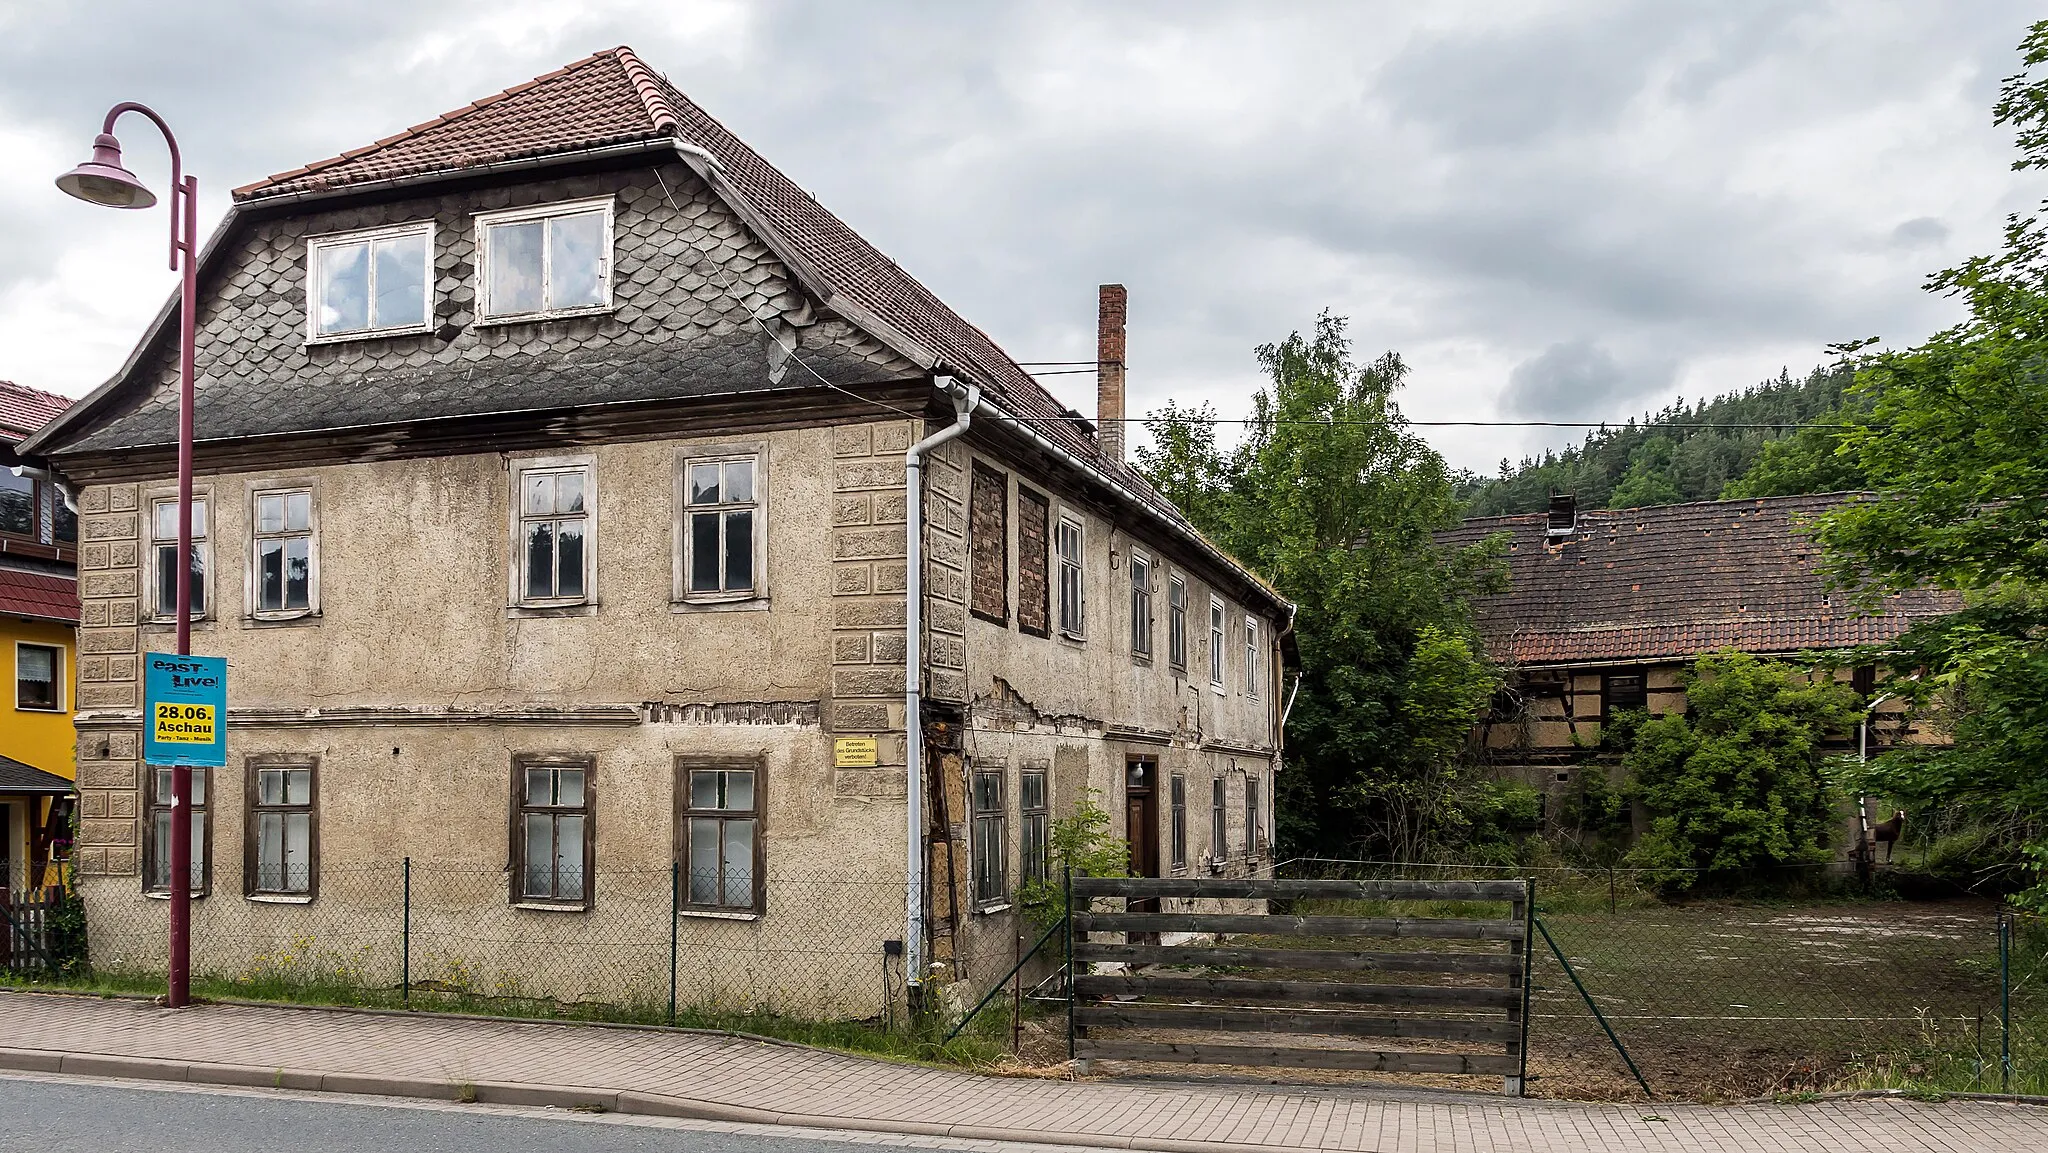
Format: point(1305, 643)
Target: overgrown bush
point(1083, 843)
point(68, 953)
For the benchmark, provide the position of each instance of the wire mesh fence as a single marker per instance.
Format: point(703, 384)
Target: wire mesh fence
point(1728, 998)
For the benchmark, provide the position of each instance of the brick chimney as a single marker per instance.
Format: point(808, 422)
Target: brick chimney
point(1109, 370)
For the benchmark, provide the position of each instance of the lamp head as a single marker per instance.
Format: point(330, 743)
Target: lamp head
point(103, 181)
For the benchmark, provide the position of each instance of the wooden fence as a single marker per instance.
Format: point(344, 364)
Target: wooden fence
point(1248, 988)
point(25, 928)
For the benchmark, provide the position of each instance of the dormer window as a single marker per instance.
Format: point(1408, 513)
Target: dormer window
point(369, 283)
point(553, 260)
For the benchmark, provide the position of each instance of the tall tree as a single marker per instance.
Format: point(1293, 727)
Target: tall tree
point(1333, 499)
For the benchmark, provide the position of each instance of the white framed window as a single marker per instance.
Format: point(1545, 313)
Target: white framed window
point(284, 566)
point(156, 848)
point(374, 283)
point(1177, 623)
point(1073, 608)
point(1141, 604)
point(545, 261)
point(721, 527)
point(38, 678)
point(281, 850)
point(554, 532)
point(163, 559)
point(1251, 657)
point(1218, 640)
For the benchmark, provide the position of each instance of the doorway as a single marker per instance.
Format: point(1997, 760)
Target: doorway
point(1141, 814)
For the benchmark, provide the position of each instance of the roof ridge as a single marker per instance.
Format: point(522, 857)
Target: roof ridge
point(436, 122)
point(647, 83)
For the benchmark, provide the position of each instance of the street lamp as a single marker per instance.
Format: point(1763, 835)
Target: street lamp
point(103, 181)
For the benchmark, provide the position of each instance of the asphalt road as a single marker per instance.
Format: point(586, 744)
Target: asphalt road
point(38, 1115)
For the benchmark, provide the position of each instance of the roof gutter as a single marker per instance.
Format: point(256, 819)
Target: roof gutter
point(964, 401)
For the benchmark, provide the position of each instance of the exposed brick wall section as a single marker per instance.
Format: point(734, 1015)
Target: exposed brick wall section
point(1034, 542)
point(945, 573)
point(109, 681)
point(1111, 301)
point(988, 544)
point(868, 526)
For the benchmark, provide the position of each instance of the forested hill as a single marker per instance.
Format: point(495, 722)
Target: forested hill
point(1679, 454)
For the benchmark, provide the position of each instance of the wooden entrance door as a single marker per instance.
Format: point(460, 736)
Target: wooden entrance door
point(1141, 814)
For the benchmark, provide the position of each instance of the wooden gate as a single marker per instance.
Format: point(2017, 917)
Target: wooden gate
point(1285, 986)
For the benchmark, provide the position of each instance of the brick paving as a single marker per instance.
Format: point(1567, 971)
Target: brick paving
point(753, 1080)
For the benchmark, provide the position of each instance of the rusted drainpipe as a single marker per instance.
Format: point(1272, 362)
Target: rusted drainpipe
point(964, 401)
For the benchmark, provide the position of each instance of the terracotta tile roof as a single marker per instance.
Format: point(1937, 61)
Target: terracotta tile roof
point(38, 595)
point(24, 410)
point(613, 97)
point(1677, 581)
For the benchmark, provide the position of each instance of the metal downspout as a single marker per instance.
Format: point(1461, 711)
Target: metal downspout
point(964, 402)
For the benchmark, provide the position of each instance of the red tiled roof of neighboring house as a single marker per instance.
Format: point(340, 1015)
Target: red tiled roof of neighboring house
point(612, 97)
point(1675, 581)
point(39, 596)
point(24, 410)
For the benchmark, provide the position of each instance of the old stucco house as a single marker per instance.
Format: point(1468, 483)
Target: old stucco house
point(1606, 608)
point(558, 528)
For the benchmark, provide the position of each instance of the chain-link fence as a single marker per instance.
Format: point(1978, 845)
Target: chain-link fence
point(818, 945)
point(1720, 998)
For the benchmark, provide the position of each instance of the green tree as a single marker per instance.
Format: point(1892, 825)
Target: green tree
point(1650, 479)
point(1332, 499)
point(1737, 784)
point(1955, 440)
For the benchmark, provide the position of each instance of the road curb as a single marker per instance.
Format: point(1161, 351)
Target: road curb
point(564, 1097)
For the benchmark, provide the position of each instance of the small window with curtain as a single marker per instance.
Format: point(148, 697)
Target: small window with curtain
point(375, 283)
point(991, 839)
point(283, 581)
point(1141, 605)
point(555, 533)
point(38, 678)
point(551, 260)
point(1177, 623)
point(722, 549)
point(718, 826)
point(163, 540)
point(157, 848)
point(1033, 816)
point(281, 828)
point(1180, 821)
point(553, 850)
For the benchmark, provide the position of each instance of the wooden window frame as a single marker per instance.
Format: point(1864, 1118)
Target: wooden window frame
point(681, 597)
point(1219, 644)
point(202, 551)
point(1607, 679)
point(1038, 866)
point(1178, 824)
point(253, 808)
point(1140, 566)
point(1077, 566)
point(202, 845)
point(516, 508)
point(989, 853)
point(1251, 656)
point(1040, 565)
point(1177, 622)
point(252, 577)
point(758, 814)
point(516, 847)
point(608, 271)
point(1219, 820)
point(35, 514)
point(1251, 816)
point(317, 245)
point(58, 677)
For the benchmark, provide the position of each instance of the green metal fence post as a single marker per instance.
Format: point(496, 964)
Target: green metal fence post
point(405, 937)
point(2004, 1001)
point(1591, 1004)
point(675, 914)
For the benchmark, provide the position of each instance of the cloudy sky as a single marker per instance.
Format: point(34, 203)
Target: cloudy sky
point(1553, 210)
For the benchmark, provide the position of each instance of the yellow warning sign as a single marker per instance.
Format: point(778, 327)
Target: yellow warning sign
point(183, 724)
point(854, 753)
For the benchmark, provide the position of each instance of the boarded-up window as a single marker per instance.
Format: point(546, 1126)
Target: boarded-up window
point(1034, 528)
point(988, 536)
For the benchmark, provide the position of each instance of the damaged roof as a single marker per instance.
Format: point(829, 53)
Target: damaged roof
point(1675, 581)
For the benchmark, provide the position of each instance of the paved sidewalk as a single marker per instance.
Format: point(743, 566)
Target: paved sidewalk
point(734, 1079)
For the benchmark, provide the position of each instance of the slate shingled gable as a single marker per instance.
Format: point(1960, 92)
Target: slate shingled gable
point(1674, 581)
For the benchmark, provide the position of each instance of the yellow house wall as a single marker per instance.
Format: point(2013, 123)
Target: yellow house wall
point(31, 736)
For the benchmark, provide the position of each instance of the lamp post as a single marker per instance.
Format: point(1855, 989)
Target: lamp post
point(103, 181)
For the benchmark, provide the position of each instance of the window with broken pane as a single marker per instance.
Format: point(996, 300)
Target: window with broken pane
point(719, 825)
point(368, 284)
point(554, 534)
point(284, 552)
point(721, 527)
